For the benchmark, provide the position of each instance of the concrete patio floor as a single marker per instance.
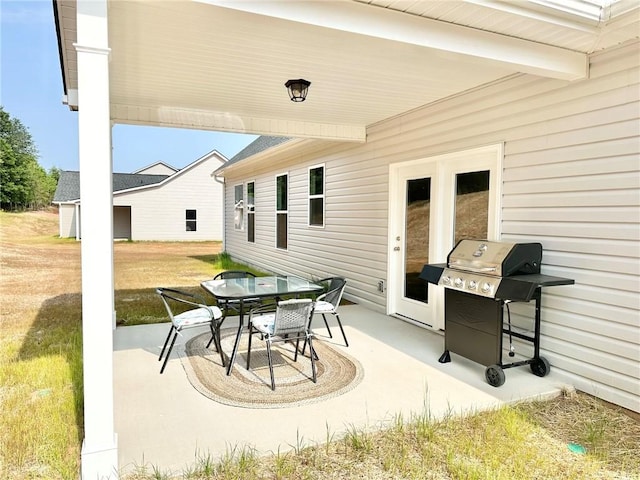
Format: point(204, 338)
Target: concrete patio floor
point(161, 420)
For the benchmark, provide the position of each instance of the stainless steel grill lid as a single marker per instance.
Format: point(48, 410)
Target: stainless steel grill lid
point(480, 267)
point(500, 259)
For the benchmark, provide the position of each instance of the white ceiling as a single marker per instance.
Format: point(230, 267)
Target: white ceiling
point(222, 65)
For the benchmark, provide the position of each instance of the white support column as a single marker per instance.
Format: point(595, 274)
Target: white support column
point(99, 448)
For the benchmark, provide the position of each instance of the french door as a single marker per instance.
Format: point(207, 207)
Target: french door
point(434, 203)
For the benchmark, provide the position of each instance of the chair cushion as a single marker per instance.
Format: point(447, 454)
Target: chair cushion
point(264, 323)
point(197, 316)
point(323, 307)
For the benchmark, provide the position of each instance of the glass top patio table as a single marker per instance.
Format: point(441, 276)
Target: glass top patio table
point(241, 289)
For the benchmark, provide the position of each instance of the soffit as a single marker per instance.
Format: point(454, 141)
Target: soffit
point(573, 24)
point(200, 65)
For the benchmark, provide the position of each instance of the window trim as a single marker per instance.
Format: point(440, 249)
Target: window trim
point(251, 210)
point(194, 220)
point(238, 208)
point(316, 196)
point(281, 212)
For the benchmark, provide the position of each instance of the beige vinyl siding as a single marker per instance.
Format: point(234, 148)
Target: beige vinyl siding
point(353, 240)
point(571, 181)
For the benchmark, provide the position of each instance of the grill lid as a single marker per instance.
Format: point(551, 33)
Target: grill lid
point(499, 259)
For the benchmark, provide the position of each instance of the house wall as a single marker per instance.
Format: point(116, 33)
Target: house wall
point(67, 220)
point(158, 213)
point(571, 181)
point(157, 169)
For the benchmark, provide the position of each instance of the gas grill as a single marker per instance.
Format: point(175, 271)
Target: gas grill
point(480, 278)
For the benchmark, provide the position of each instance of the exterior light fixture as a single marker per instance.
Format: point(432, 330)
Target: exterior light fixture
point(297, 89)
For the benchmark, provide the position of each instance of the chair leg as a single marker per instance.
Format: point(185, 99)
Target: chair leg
point(217, 328)
point(249, 346)
point(166, 359)
point(327, 325)
point(273, 382)
point(341, 329)
point(213, 337)
point(295, 356)
point(304, 349)
point(166, 342)
point(313, 359)
point(219, 346)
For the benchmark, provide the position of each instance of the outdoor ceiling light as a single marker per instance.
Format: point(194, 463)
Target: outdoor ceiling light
point(297, 89)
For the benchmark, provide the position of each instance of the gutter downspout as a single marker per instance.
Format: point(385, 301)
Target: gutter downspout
point(220, 180)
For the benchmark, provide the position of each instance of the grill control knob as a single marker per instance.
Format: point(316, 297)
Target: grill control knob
point(486, 287)
point(458, 282)
point(446, 280)
point(473, 284)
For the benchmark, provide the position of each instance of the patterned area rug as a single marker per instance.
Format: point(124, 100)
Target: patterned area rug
point(337, 373)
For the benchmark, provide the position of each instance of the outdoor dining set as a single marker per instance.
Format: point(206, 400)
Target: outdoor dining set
point(277, 308)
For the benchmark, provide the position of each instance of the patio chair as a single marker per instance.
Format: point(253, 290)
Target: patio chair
point(234, 305)
point(328, 302)
point(188, 310)
point(289, 321)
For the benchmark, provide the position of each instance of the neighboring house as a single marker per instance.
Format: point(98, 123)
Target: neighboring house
point(564, 169)
point(157, 202)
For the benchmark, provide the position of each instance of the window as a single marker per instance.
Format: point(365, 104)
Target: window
point(471, 205)
point(191, 220)
point(281, 210)
point(251, 212)
point(238, 208)
point(316, 196)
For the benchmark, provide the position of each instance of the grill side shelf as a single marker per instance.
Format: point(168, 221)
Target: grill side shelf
point(541, 280)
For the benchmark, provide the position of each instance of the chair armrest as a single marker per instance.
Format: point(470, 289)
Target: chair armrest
point(321, 297)
point(179, 296)
point(197, 298)
point(263, 309)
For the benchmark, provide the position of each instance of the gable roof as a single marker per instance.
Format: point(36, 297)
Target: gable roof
point(68, 188)
point(157, 164)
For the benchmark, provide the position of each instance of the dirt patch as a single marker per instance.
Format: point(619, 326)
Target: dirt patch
point(37, 266)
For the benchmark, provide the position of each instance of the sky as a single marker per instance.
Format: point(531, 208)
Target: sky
point(31, 91)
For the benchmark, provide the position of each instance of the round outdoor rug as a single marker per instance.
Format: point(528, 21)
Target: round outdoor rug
point(337, 373)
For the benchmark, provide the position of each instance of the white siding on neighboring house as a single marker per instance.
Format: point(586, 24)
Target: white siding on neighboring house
point(67, 220)
point(571, 181)
point(159, 212)
point(158, 168)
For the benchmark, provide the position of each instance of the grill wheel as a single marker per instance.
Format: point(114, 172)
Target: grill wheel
point(540, 367)
point(494, 375)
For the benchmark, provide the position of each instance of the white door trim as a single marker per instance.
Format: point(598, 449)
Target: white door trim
point(444, 169)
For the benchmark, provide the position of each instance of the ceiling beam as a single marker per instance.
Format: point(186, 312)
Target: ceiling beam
point(227, 122)
point(522, 55)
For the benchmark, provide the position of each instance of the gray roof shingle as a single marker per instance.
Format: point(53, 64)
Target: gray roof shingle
point(260, 144)
point(68, 188)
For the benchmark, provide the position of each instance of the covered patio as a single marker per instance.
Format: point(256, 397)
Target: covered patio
point(222, 66)
point(163, 421)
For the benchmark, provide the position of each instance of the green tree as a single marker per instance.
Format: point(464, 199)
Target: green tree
point(23, 182)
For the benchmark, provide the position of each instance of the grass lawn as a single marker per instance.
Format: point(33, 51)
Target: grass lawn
point(41, 387)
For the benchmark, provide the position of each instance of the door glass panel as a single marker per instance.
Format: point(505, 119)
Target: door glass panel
point(416, 237)
point(472, 206)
